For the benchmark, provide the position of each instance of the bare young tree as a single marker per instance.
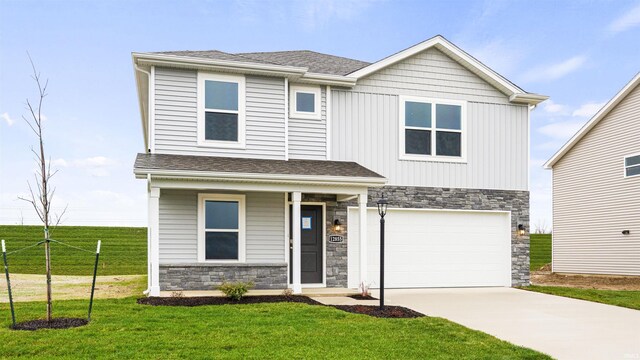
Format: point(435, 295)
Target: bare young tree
point(41, 196)
point(541, 227)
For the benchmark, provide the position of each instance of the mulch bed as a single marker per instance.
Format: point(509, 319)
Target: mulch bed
point(57, 323)
point(360, 297)
point(388, 312)
point(217, 300)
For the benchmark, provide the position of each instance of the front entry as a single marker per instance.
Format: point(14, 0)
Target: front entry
point(311, 240)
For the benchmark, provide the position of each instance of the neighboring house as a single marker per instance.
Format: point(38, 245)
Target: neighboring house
point(267, 167)
point(596, 191)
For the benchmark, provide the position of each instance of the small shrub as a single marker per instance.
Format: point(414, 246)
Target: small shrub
point(235, 290)
point(287, 293)
point(364, 289)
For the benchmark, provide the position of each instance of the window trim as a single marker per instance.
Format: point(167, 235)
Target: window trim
point(402, 99)
point(240, 80)
point(625, 167)
point(241, 199)
point(317, 93)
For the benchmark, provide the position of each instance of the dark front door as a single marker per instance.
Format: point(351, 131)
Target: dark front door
point(311, 240)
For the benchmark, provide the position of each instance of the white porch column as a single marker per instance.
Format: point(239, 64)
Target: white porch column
point(362, 202)
point(296, 198)
point(154, 241)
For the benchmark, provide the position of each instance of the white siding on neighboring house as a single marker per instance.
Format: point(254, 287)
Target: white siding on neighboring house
point(593, 201)
point(308, 137)
point(179, 230)
point(364, 128)
point(176, 116)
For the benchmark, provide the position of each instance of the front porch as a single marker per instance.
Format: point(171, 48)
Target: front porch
point(210, 226)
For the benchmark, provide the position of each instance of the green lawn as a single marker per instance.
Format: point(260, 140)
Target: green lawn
point(625, 298)
point(124, 250)
point(540, 250)
point(122, 329)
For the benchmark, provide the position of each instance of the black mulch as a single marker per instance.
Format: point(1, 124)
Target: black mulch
point(388, 312)
point(360, 297)
point(57, 323)
point(216, 300)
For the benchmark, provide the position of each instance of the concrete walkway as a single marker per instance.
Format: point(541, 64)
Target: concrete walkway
point(561, 327)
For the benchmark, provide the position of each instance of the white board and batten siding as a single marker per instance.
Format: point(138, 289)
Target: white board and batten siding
point(592, 200)
point(178, 231)
point(176, 121)
point(308, 137)
point(365, 126)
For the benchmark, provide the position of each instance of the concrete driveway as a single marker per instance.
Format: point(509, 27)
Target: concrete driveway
point(561, 327)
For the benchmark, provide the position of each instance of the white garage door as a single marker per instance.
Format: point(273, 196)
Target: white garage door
point(434, 248)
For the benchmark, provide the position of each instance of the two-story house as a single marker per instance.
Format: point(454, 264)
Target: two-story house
point(267, 167)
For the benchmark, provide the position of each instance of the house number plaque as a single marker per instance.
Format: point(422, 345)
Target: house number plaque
point(336, 239)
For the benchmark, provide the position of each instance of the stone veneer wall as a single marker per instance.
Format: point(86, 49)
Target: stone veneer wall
point(209, 276)
point(469, 199)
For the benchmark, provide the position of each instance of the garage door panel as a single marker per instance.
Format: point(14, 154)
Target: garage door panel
point(435, 248)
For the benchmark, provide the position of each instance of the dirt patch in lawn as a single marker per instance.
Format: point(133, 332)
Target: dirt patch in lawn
point(218, 300)
point(598, 282)
point(57, 323)
point(387, 312)
point(32, 287)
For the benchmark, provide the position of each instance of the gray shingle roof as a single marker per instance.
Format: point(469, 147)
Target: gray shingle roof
point(316, 62)
point(252, 166)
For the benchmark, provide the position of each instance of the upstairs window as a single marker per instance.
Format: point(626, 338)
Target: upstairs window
point(632, 165)
point(305, 102)
point(221, 110)
point(431, 129)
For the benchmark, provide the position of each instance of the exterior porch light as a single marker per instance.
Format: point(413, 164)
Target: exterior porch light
point(382, 211)
point(521, 230)
point(337, 226)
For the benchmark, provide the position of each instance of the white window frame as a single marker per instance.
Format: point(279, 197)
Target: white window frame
point(317, 94)
point(241, 199)
point(433, 157)
point(625, 167)
point(240, 80)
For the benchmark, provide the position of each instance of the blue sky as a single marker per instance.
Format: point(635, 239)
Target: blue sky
point(579, 53)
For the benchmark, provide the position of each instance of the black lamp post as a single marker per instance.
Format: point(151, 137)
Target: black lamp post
point(382, 211)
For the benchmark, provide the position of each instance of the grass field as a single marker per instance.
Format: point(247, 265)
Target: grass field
point(625, 298)
point(123, 329)
point(124, 250)
point(540, 250)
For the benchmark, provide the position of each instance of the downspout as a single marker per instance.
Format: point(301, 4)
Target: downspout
point(138, 68)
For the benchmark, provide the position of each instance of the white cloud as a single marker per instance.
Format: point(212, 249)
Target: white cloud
point(60, 163)
point(555, 71)
point(561, 130)
point(93, 162)
point(553, 108)
point(587, 110)
point(628, 20)
point(498, 55)
point(316, 13)
point(5, 116)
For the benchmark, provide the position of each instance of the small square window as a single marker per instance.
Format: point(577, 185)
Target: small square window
point(305, 102)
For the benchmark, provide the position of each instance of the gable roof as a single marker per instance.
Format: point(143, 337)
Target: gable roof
point(601, 114)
